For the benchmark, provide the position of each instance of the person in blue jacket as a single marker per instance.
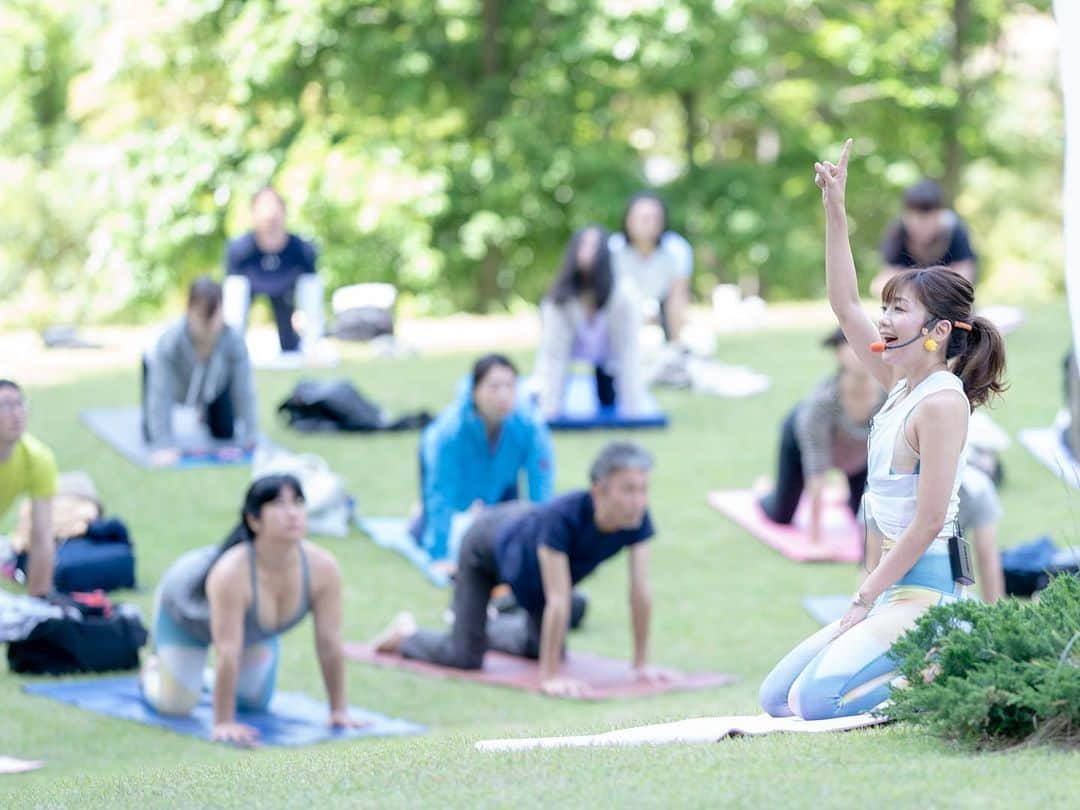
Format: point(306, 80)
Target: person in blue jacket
point(473, 454)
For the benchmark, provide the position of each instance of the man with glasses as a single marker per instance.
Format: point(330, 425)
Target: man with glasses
point(27, 467)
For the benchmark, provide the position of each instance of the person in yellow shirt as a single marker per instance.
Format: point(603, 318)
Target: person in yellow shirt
point(27, 467)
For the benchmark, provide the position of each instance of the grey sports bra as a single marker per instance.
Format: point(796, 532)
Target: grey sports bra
point(254, 632)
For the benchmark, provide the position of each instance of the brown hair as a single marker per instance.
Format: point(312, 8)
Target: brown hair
point(205, 295)
point(977, 357)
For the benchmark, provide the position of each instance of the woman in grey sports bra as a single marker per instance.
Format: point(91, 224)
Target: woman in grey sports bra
point(239, 598)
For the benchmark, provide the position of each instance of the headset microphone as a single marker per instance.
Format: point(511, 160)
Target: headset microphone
point(880, 346)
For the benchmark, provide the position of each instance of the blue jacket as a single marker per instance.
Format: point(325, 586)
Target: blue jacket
point(458, 467)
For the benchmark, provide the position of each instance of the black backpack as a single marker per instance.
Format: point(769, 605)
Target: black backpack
point(336, 405)
point(90, 643)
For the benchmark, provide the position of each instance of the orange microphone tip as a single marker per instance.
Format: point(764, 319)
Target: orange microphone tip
point(878, 346)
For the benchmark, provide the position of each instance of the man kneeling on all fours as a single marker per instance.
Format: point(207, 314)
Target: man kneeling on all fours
point(541, 551)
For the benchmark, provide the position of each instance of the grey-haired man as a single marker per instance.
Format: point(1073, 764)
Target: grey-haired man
point(541, 551)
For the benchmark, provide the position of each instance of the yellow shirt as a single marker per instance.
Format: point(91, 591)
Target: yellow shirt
point(29, 470)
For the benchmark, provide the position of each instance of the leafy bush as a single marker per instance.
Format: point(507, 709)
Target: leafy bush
point(991, 676)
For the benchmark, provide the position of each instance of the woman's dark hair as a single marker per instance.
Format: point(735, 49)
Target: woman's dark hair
point(262, 491)
point(573, 280)
point(483, 367)
point(924, 196)
point(638, 197)
point(10, 384)
point(977, 357)
point(204, 294)
point(835, 339)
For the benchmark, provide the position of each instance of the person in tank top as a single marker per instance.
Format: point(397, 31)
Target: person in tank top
point(239, 598)
point(937, 361)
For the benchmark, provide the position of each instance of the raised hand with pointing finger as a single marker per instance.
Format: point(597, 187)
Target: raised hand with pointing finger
point(832, 179)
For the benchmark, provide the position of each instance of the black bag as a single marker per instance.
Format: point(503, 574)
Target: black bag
point(102, 559)
point(336, 405)
point(86, 644)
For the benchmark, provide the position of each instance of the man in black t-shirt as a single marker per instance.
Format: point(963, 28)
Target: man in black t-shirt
point(275, 263)
point(925, 235)
point(541, 551)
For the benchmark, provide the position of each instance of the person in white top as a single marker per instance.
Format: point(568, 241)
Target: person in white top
point(655, 262)
point(937, 361)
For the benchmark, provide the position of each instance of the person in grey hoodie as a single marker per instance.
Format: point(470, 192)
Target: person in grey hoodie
point(200, 365)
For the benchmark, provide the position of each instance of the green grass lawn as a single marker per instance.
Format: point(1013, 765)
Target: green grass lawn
point(722, 601)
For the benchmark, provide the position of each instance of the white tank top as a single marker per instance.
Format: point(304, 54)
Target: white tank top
point(891, 496)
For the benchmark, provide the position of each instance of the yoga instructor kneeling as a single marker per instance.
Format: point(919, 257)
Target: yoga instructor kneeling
point(541, 551)
point(261, 582)
point(938, 361)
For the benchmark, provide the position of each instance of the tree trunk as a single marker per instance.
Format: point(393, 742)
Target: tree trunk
point(954, 156)
point(689, 106)
point(487, 281)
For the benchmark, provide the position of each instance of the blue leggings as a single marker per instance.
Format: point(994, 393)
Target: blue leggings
point(827, 676)
point(173, 683)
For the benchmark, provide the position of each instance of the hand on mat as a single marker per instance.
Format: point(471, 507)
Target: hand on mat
point(565, 687)
point(832, 179)
point(650, 673)
point(854, 615)
point(164, 457)
point(236, 733)
point(340, 718)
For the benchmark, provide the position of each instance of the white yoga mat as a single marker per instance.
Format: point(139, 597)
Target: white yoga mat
point(696, 730)
point(16, 765)
point(1048, 446)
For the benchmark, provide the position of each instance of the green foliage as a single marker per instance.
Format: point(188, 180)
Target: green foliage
point(453, 146)
point(1005, 673)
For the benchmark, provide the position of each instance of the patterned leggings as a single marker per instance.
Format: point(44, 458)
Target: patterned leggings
point(175, 685)
point(824, 678)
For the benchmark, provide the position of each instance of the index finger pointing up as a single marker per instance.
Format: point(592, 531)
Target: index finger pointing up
point(845, 155)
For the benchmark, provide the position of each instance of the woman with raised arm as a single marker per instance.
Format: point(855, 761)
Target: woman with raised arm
point(239, 598)
point(937, 361)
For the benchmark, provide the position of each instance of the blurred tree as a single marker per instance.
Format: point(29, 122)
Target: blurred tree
point(451, 146)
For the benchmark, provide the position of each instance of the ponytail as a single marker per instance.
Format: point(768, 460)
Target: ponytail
point(979, 360)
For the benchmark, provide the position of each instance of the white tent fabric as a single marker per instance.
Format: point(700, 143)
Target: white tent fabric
point(1068, 19)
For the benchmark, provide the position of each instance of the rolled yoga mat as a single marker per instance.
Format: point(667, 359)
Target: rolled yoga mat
point(609, 678)
point(292, 719)
point(697, 730)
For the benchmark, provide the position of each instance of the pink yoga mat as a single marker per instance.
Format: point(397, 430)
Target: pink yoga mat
point(609, 678)
point(841, 539)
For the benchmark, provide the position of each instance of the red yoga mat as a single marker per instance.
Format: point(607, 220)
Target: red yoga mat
point(841, 537)
point(608, 677)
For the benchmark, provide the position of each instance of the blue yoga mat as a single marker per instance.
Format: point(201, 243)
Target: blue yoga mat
point(582, 411)
point(393, 533)
point(293, 719)
point(121, 429)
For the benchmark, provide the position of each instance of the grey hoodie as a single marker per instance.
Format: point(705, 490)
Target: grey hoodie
point(176, 376)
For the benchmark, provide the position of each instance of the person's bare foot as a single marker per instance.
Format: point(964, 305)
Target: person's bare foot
point(400, 628)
